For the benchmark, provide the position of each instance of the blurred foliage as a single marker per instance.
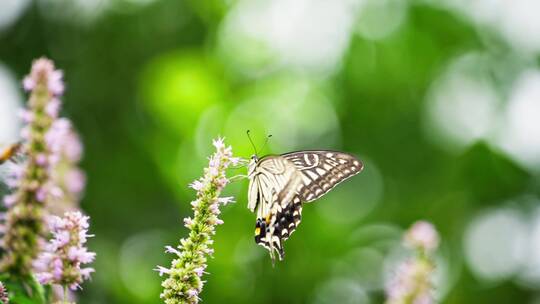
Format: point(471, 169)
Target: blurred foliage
point(149, 86)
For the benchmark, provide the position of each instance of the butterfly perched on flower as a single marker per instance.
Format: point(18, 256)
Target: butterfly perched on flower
point(279, 185)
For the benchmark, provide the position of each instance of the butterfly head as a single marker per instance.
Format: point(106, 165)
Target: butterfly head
point(252, 164)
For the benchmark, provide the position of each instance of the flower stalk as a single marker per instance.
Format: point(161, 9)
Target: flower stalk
point(184, 278)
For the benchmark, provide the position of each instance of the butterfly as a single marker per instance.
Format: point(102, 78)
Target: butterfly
point(9, 152)
point(279, 185)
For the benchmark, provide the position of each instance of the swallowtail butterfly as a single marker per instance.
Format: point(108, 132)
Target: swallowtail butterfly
point(279, 185)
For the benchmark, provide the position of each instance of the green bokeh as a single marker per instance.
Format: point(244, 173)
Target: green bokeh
point(150, 85)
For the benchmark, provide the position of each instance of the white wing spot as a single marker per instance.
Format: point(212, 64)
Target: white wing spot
point(353, 168)
point(320, 171)
point(329, 154)
point(342, 161)
point(327, 167)
point(318, 191)
point(347, 171)
point(356, 163)
point(312, 174)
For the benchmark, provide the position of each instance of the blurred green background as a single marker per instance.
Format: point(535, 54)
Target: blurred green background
point(441, 99)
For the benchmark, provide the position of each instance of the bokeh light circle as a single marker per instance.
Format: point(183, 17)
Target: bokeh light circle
point(377, 19)
point(495, 243)
point(10, 103)
point(10, 11)
point(463, 105)
point(137, 257)
point(295, 111)
point(520, 137)
point(268, 35)
point(341, 290)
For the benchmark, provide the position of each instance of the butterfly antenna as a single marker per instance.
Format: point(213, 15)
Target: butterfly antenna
point(266, 141)
point(251, 141)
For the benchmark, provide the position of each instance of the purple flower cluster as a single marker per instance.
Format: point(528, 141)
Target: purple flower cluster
point(44, 73)
point(66, 181)
point(47, 181)
point(411, 282)
point(184, 283)
point(4, 297)
point(30, 179)
point(60, 262)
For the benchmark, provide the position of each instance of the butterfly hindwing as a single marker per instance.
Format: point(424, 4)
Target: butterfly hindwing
point(322, 170)
point(274, 193)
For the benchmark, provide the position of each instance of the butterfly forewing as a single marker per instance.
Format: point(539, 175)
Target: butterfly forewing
point(322, 170)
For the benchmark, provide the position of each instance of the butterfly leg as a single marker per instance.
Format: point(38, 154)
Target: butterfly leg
point(237, 178)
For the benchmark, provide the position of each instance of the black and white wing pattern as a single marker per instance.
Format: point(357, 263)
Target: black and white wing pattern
point(280, 184)
point(273, 193)
point(322, 170)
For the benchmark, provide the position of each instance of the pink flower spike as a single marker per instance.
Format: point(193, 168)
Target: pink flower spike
point(184, 281)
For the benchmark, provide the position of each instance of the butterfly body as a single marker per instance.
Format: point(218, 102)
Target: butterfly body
point(281, 184)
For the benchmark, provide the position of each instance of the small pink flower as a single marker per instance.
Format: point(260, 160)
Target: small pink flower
point(75, 181)
point(422, 235)
point(55, 83)
point(53, 107)
point(170, 249)
point(196, 185)
point(226, 200)
point(28, 83)
point(219, 143)
point(41, 194)
point(188, 222)
point(162, 270)
point(41, 159)
point(10, 200)
point(26, 116)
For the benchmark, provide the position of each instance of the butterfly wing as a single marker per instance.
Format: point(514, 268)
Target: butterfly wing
point(279, 185)
point(322, 170)
point(273, 191)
